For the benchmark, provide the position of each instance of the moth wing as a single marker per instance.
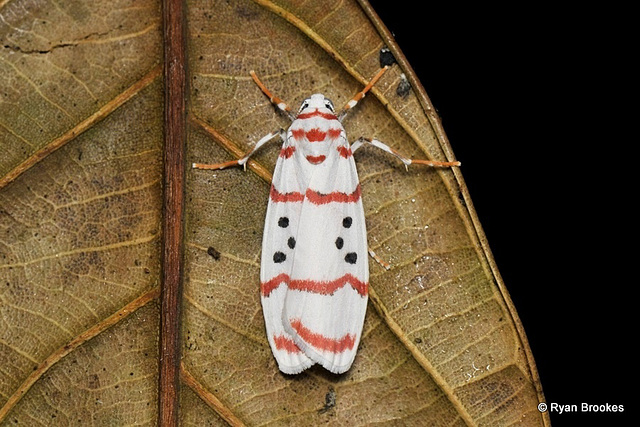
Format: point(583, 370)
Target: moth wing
point(281, 224)
point(326, 300)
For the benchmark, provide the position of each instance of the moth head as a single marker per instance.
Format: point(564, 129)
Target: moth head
point(317, 101)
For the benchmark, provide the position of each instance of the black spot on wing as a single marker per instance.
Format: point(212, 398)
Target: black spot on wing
point(351, 257)
point(279, 257)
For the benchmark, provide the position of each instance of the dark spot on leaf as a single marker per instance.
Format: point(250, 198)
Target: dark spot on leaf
point(213, 252)
point(461, 199)
point(246, 12)
point(386, 57)
point(329, 401)
point(404, 87)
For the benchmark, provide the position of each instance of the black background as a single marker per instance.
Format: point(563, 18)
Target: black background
point(536, 104)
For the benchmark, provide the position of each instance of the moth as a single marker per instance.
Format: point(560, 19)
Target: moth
point(314, 273)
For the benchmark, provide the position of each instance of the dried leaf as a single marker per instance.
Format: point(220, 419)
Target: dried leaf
point(80, 212)
point(80, 196)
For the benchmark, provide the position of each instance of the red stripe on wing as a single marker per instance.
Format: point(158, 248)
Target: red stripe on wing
point(322, 287)
point(286, 343)
point(334, 133)
point(315, 197)
point(344, 151)
point(272, 284)
point(276, 196)
point(316, 135)
point(321, 342)
point(317, 113)
point(318, 198)
point(287, 152)
point(297, 133)
point(316, 160)
point(330, 286)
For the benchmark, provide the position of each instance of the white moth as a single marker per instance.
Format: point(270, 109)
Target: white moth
point(314, 275)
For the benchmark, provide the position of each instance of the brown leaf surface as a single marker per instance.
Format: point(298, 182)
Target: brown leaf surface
point(81, 131)
point(80, 196)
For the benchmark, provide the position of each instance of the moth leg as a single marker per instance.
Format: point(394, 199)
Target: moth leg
point(278, 102)
point(434, 163)
point(379, 260)
point(354, 101)
point(242, 161)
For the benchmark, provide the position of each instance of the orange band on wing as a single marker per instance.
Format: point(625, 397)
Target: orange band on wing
point(285, 343)
point(315, 197)
point(330, 286)
point(287, 152)
point(270, 285)
point(321, 342)
point(344, 151)
point(322, 287)
point(317, 113)
point(279, 197)
point(318, 198)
